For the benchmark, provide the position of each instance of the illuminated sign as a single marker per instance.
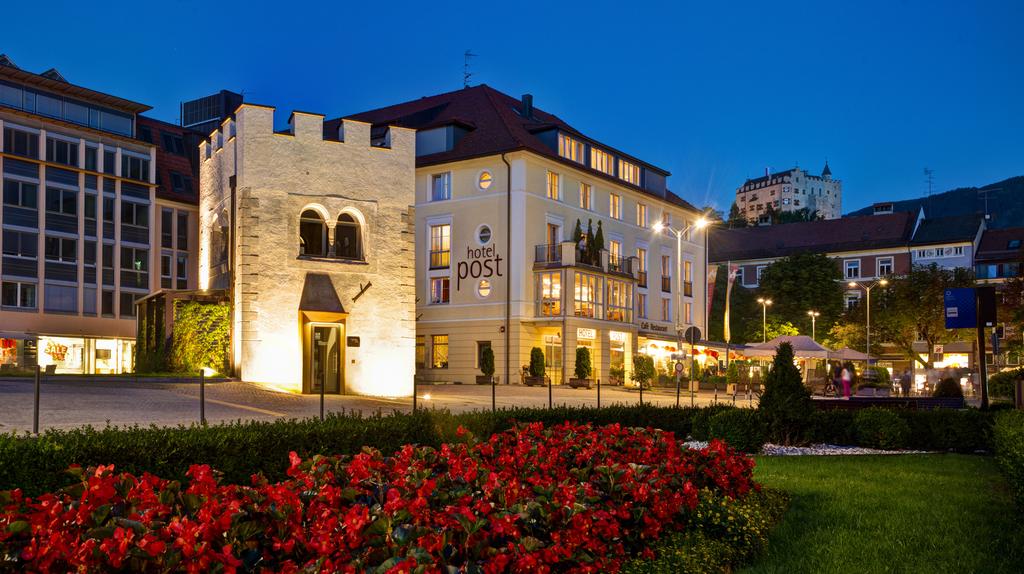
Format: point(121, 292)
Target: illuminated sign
point(617, 336)
point(585, 333)
point(481, 263)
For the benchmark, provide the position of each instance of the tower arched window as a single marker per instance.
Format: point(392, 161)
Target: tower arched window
point(312, 234)
point(348, 238)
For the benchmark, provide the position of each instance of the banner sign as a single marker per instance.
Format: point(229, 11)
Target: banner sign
point(961, 308)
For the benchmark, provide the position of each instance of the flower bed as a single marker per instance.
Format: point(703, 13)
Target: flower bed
point(572, 498)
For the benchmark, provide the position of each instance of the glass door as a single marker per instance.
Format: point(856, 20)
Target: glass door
point(553, 358)
point(325, 359)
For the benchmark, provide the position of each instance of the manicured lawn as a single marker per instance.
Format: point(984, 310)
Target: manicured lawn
point(912, 513)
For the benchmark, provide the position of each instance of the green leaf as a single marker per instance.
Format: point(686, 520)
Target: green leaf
point(18, 526)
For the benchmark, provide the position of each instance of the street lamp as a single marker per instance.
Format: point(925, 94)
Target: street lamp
point(764, 317)
point(867, 287)
point(814, 317)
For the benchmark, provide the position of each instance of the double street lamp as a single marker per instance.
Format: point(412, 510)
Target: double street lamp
point(814, 319)
point(867, 287)
point(764, 317)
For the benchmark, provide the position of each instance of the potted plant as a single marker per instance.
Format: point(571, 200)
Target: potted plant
point(616, 375)
point(536, 368)
point(582, 370)
point(874, 382)
point(732, 378)
point(643, 370)
point(486, 367)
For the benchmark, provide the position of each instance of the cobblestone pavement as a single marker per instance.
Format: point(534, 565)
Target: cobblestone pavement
point(67, 404)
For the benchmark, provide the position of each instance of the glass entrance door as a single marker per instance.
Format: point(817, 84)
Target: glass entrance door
point(553, 358)
point(325, 359)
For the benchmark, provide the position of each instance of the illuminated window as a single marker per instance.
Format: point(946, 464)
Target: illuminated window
point(549, 294)
point(688, 313)
point(641, 267)
point(884, 266)
point(615, 206)
point(485, 180)
point(439, 351)
point(666, 309)
point(585, 194)
point(439, 290)
point(641, 305)
point(440, 246)
point(570, 148)
point(587, 295)
point(348, 238)
point(552, 187)
point(688, 278)
point(421, 352)
point(602, 161)
point(629, 172)
point(312, 234)
point(666, 273)
point(852, 267)
point(620, 301)
point(641, 215)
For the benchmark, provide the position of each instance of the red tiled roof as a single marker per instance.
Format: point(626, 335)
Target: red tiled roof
point(827, 236)
point(495, 126)
point(995, 245)
point(186, 165)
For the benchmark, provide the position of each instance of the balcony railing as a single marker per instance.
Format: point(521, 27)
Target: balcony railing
point(620, 264)
point(641, 279)
point(440, 259)
point(548, 253)
point(666, 284)
point(688, 288)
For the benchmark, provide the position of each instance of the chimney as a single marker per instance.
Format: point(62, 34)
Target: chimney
point(527, 106)
point(767, 171)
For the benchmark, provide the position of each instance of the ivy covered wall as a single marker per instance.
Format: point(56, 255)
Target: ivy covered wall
point(201, 337)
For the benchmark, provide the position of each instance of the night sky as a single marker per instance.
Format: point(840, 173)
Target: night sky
point(713, 91)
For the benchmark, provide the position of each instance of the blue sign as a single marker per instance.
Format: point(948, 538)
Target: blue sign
point(961, 308)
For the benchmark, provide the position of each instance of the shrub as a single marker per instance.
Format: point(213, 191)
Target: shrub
point(700, 420)
point(1008, 442)
point(786, 403)
point(643, 370)
point(582, 363)
point(536, 362)
point(966, 430)
point(1002, 384)
point(948, 388)
point(740, 428)
point(880, 428)
point(201, 336)
point(732, 374)
point(832, 426)
point(487, 362)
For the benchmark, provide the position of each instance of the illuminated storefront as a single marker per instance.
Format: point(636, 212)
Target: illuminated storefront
point(80, 355)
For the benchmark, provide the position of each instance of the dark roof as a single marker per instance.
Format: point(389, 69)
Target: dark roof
point(495, 124)
point(947, 229)
point(51, 80)
point(186, 165)
point(826, 171)
point(1003, 200)
point(768, 177)
point(995, 245)
point(826, 236)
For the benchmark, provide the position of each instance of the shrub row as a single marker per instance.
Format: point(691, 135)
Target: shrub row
point(1001, 384)
point(1008, 442)
point(241, 449)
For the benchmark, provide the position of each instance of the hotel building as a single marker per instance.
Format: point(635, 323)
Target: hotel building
point(500, 186)
point(86, 230)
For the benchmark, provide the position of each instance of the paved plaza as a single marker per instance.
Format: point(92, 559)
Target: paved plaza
point(71, 403)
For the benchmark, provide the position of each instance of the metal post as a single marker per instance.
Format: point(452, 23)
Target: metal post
point(35, 405)
point(414, 392)
point(494, 390)
point(202, 396)
point(982, 371)
point(641, 393)
point(679, 377)
point(868, 289)
point(693, 364)
point(322, 391)
point(598, 393)
point(549, 393)
point(764, 322)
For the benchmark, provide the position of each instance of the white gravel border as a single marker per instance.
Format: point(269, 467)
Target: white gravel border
point(815, 450)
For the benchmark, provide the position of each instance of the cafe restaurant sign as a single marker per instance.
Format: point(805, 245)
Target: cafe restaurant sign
point(654, 327)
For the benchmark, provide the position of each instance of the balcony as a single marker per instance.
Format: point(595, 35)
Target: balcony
point(548, 253)
point(440, 259)
point(566, 254)
point(666, 284)
point(621, 265)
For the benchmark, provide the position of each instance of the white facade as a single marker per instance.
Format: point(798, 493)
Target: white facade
point(791, 190)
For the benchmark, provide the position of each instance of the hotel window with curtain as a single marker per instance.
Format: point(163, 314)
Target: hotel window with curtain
point(666, 309)
point(570, 148)
point(688, 278)
point(440, 246)
point(549, 294)
point(629, 172)
point(439, 351)
point(620, 301)
point(615, 206)
point(587, 295)
point(552, 185)
point(441, 186)
point(439, 290)
point(602, 161)
point(641, 267)
point(641, 305)
point(585, 195)
point(641, 215)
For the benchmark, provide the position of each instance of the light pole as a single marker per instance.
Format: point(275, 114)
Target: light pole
point(867, 287)
point(814, 318)
point(764, 317)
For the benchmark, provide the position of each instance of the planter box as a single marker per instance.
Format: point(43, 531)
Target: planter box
point(534, 381)
point(873, 392)
point(484, 380)
point(580, 383)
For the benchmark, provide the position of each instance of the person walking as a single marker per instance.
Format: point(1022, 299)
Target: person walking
point(847, 379)
point(905, 382)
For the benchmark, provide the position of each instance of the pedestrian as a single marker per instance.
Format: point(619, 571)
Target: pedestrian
point(847, 378)
point(905, 382)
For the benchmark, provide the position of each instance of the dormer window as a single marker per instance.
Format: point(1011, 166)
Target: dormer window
point(629, 172)
point(602, 161)
point(570, 148)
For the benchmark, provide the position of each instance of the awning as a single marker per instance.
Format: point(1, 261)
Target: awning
point(804, 347)
point(318, 294)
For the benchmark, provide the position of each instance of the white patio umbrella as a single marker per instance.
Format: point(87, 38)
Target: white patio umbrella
point(804, 347)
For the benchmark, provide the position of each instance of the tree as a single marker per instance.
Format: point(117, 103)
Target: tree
point(582, 369)
point(801, 283)
point(643, 370)
point(536, 362)
point(577, 233)
point(588, 249)
point(785, 403)
point(598, 244)
point(487, 362)
point(712, 215)
point(736, 219)
point(776, 327)
point(912, 309)
point(797, 216)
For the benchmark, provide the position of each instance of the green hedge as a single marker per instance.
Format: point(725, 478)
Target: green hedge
point(1001, 384)
point(1008, 442)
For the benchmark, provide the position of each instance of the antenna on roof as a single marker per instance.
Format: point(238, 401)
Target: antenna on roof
point(466, 74)
point(928, 178)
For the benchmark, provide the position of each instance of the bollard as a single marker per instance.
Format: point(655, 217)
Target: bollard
point(202, 396)
point(35, 405)
point(692, 393)
point(414, 393)
point(549, 395)
point(678, 381)
point(641, 393)
point(599, 393)
point(322, 392)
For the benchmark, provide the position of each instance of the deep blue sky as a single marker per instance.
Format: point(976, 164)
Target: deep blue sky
point(712, 91)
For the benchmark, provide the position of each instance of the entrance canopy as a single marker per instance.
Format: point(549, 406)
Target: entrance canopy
point(804, 347)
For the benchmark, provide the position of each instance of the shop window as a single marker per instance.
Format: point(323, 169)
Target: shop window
point(312, 234)
point(348, 238)
point(620, 301)
point(439, 351)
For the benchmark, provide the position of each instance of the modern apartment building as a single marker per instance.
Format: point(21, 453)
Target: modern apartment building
point(790, 190)
point(83, 223)
point(500, 187)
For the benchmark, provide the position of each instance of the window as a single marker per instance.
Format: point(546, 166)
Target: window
point(688, 278)
point(62, 151)
point(312, 234)
point(552, 185)
point(570, 148)
point(688, 313)
point(173, 143)
point(666, 273)
point(602, 161)
point(585, 195)
point(739, 276)
point(852, 299)
point(145, 134)
point(182, 230)
point(20, 244)
point(884, 266)
point(549, 294)
point(128, 304)
point(421, 352)
point(20, 194)
point(61, 249)
point(136, 214)
point(89, 300)
point(107, 303)
point(615, 206)
point(587, 295)
point(166, 228)
point(61, 201)
point(441, 186)
point(1013, 244)
point(181, 183)
point(439, 290)
point(641, 215)
point(641, 305)
point(629, 172)
point(134, 268)
point(166, 270)
point(182, 271)
point(440, 246)
point(620, 301)
point(90, 206)
point(60, 298)
point(21, 143)
point(785, 201)
point(90, 158)
point(134, 167)
point(759, 273)
point(666, 218)
point(852, 267)
point(21, 295)
point(666, 309)
point(641, 266)
point(483, 289)
point(109, 161)
point(439, 351)
point(347, 236)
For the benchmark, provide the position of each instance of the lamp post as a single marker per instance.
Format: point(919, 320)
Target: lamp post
point(814, 318)
point(764, 317)
point(867, 287)
point(658, 228)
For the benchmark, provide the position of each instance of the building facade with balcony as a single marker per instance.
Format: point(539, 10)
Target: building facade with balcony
point(501, 187)
point(82, 222)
